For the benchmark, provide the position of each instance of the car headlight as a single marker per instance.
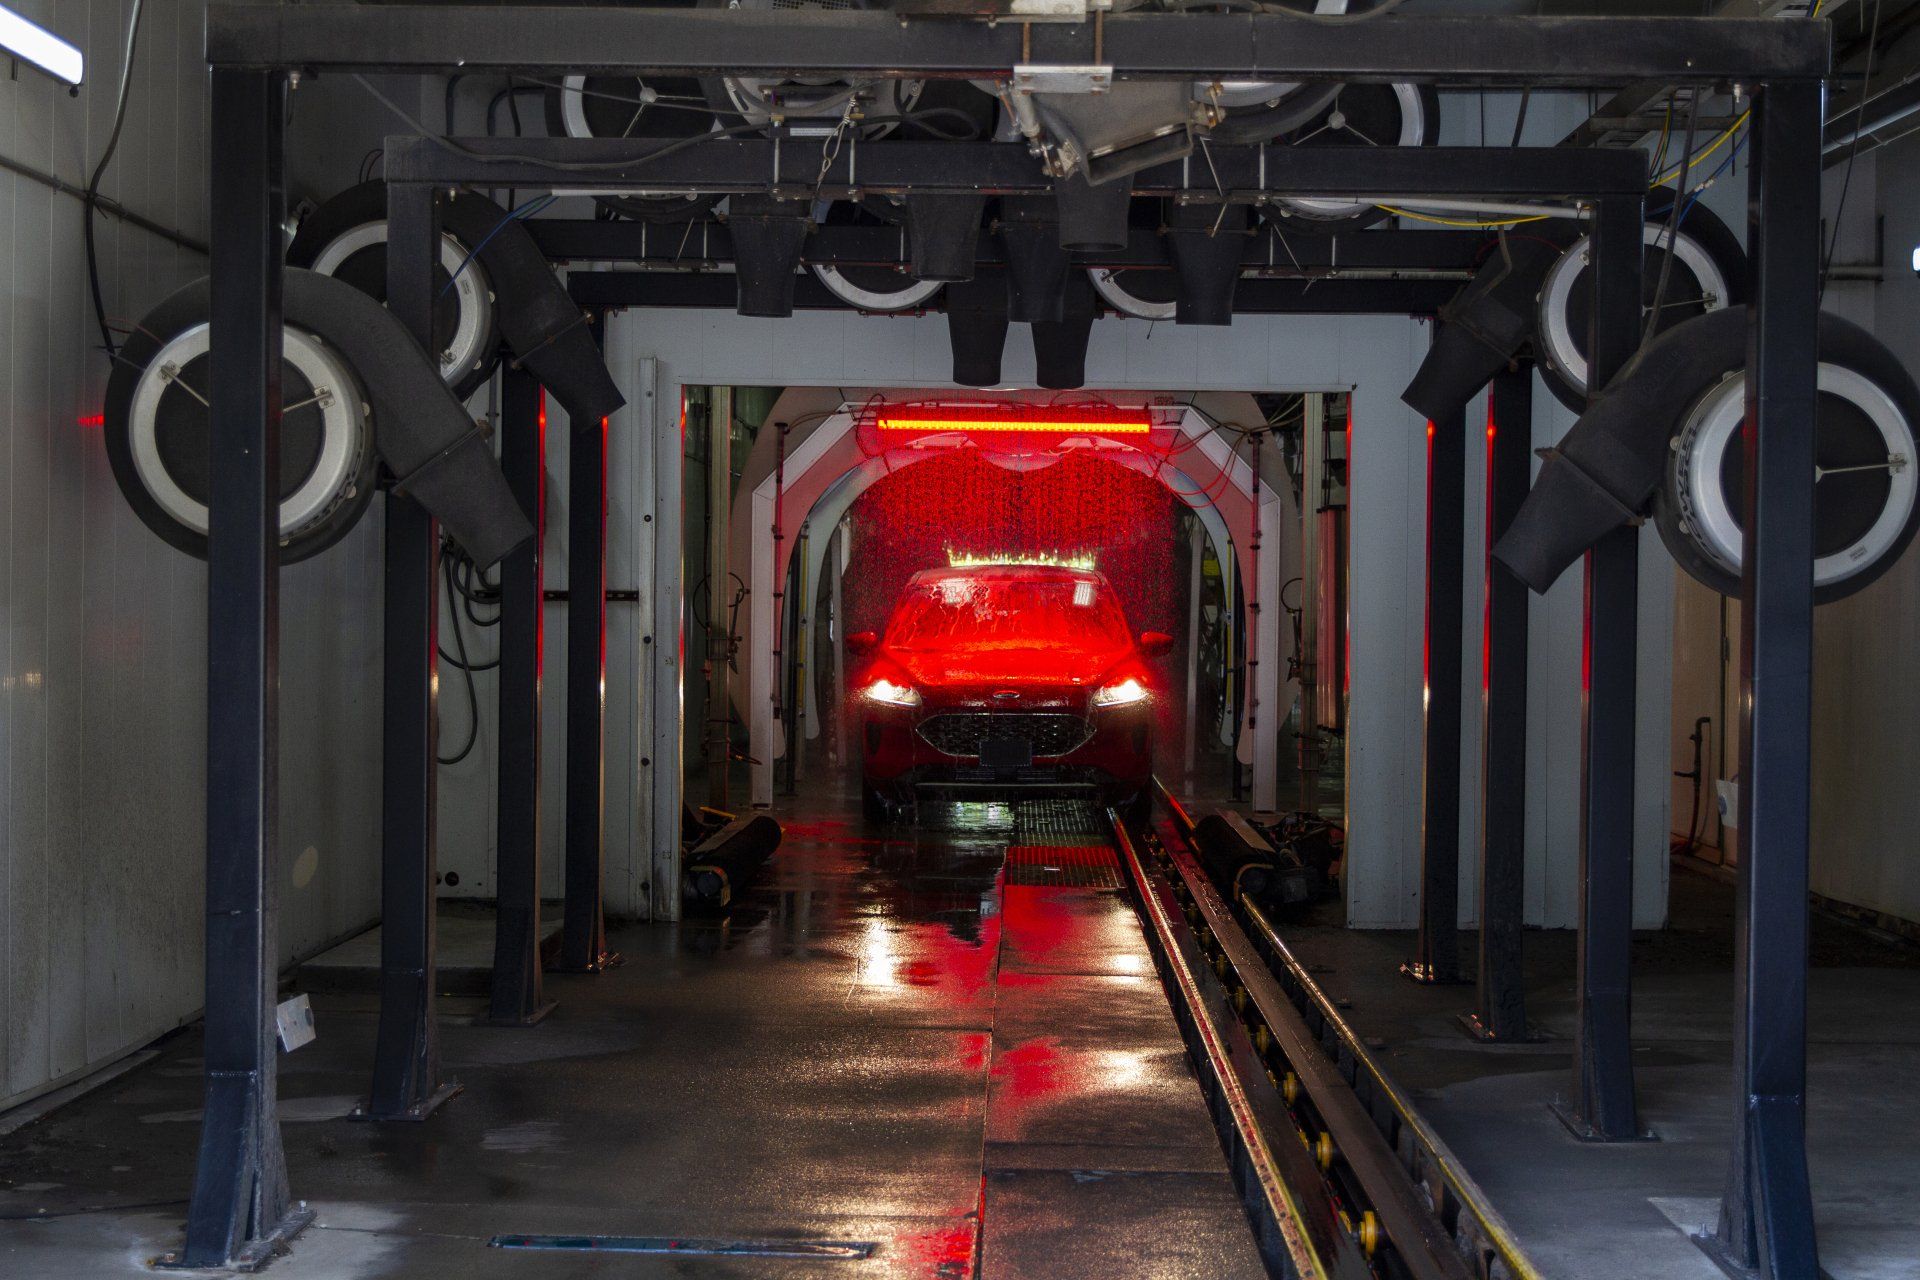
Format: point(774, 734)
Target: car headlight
point(1124, 694)
point(893, 695)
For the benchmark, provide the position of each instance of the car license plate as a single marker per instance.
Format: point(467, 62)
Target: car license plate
point(1006, 753)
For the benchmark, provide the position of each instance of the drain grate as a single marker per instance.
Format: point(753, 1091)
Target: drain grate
point(1036, 820)
point(1081, 866)
point(848, 1250)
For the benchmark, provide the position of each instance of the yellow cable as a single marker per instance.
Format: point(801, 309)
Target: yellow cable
point(1456, 222)
point(1718, 142)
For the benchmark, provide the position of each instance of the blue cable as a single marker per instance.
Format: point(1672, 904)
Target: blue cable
point(526, 210)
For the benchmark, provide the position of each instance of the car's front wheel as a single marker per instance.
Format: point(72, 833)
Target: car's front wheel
point(875, 806)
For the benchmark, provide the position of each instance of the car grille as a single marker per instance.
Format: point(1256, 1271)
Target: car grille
point(960, 733)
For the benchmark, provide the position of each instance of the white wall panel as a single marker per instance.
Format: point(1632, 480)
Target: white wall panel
point(103, 626)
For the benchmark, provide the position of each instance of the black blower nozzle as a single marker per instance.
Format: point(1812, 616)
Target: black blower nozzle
point(767, 238)
point(1607, 467)
point(540, 322)
point(1037, 267)
point(942, 234)
point(1487, 322)
point(1092, 216)
point(1060, 346)
point(977, 328)
point(1206, 243)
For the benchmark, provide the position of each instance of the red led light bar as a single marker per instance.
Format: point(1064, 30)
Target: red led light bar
point(1109, 420)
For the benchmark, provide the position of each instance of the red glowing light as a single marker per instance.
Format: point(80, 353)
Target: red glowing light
point(93, 420)
point(1080, 419)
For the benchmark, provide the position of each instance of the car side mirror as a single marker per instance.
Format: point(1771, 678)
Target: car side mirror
point(1155, 644)
point(862, 641)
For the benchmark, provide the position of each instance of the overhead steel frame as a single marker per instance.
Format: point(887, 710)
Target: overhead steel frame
point(240, 1209)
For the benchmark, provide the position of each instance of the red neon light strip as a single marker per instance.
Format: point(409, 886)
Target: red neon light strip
point(1011, 418)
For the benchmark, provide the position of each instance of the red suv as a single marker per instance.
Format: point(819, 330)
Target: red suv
point(1001, 678)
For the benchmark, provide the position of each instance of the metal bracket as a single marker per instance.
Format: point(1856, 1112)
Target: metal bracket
point(1034, 77)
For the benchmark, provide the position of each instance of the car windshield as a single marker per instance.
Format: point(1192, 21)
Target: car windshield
point(987, 613)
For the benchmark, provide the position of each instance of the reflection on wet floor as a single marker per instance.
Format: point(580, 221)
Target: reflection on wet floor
point(886, 1041)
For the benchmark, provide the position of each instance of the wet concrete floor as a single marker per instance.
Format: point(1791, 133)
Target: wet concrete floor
point(947, 1045)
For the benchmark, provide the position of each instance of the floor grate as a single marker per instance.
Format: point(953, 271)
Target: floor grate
point(1035, 820)
point(1063, 865)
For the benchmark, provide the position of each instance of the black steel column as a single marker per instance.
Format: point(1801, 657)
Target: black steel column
point(1437, 957)
point(406, 1064)
point(1500, 994)
point(1602, 1108)
point(241, 1208)
point(517, 997)
point(583, 941)
point(1766, 1220)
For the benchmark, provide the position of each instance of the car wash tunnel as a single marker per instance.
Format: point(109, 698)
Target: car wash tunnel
point(960, 638)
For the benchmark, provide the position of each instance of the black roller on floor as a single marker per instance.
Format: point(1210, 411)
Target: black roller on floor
point(724, 863)
point(1242, 863)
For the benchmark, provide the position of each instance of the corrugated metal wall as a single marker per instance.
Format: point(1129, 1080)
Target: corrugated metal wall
point(102, 626)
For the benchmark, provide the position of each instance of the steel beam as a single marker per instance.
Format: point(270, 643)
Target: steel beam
point(612, 290)
point(1437, 945)
point(406, 1066)
point(583, 939)
point(706, 244)
point(1237, 172)
point(517, 997)
point(1461, 50)
point(1766, 1219)
point(1500, 1006)
point(241, 1211)
point(1602, 1107)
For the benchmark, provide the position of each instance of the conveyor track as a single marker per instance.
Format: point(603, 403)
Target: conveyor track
point(1340, 1176)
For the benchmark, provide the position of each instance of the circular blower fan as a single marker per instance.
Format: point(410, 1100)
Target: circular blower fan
point(347, 238)
point(811, 105)
point(1709, 272)
point(1867, 460)
point(631, 107)
point(158, 434)
point(870, 288)
point(1363, 115)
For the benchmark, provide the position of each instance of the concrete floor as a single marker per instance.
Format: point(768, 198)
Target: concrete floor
point(1588, 1212)
point(913, 1044)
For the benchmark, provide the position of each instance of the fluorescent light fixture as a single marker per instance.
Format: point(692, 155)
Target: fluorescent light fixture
point(31, 42)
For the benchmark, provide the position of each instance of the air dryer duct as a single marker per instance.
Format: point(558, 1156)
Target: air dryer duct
point(1206, 243)
point(1092, 217)
point(438, 454)
point(724, 863)
point(977, 328)
point(1037, 267)
point(1483, 328)
point(1668, 430)
point(942, 234)
point(1060, 346)
point(767, 238)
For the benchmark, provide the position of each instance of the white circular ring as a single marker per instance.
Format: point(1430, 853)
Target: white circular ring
point(915, 294)
point(1413, 132)
point(1715, 423)
point(344, 438)
point(1126, 303)
point(472, 289)
point(1556, 324)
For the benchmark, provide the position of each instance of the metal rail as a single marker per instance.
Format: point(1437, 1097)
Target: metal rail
point(1400, 1203)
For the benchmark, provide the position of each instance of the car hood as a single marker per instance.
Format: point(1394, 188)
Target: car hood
point(1041, 676)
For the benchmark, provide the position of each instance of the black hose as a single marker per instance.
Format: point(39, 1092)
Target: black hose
point(466, 666)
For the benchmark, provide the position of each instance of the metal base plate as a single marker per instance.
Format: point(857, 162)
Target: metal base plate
point(1474, 1027)
point(607, 960)
point(1580, 1129)
point(255, 1254)
point(419, 1111)
point(1427, 976)
point(1717, 1254)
